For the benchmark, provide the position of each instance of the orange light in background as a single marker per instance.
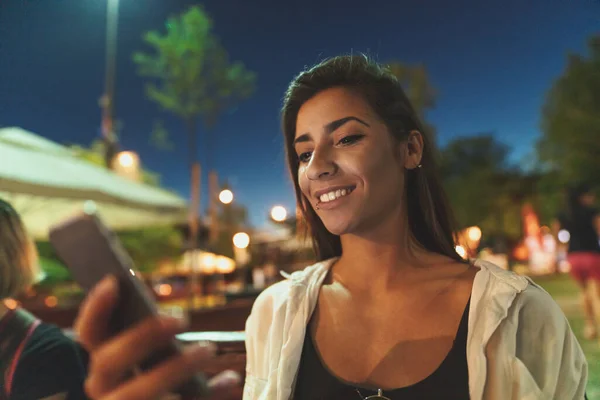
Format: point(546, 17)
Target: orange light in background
point(11, 304)
point(241, 240)
point(225, 265)
point(474, 233)
point(520, 252)
point(164, 289)
point(127, 164)
point(278, 213)
point(208, 263)
point(126, 159)
point(51, 301)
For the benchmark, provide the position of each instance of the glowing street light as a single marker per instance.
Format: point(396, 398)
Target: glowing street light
point(241, 240)
point(278, 213)
point(126, 159)
point(226, 196)
point(127, 164)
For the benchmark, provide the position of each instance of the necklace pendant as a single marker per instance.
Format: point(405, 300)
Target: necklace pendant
point(378, 396)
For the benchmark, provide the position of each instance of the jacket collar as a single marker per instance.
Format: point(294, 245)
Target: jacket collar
point(311, 278)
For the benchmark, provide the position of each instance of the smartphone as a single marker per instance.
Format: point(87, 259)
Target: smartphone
point(91, 251)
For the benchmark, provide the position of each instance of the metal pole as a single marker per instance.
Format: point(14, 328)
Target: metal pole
point(213, 184)
point(108, 100)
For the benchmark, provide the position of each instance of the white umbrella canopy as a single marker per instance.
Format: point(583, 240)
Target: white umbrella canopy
point(47, 183)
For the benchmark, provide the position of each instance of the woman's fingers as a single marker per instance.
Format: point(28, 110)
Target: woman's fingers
point(92, 323)
point(114, 360)
point(167, 376)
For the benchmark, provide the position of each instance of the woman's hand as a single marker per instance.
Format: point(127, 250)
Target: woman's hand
point(113, 359)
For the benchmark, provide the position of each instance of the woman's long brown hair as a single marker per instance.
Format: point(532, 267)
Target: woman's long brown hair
point(430, 219)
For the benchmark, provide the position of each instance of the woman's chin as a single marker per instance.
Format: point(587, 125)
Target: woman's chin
point(338, 228)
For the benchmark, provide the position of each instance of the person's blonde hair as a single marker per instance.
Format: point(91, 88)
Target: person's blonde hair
point(18, 255)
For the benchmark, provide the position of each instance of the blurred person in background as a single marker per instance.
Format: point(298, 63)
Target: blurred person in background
point(582, 221)
point(37, 360)
point(390, 311)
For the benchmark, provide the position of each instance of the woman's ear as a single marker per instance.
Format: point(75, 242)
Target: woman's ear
point(413, 150)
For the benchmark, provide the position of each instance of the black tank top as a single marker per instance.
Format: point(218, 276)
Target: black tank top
point(450, 381)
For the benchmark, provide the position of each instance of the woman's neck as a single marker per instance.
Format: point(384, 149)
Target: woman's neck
point(382, 259)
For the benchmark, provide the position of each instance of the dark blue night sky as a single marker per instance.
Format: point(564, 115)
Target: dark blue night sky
point(492, 62)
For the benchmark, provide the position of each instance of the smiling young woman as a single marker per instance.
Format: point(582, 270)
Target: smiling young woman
point(390, 311)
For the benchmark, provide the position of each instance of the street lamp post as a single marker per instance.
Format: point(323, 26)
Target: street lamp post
point(107, 101)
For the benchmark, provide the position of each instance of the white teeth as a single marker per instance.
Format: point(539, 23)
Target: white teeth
point(334, 194)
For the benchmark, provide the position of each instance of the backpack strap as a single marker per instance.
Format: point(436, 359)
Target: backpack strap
point(16, 328)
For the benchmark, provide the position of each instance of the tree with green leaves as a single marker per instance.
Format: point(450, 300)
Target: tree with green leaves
point(151, 246)
point(483, 187)
point(418, 88)
point(190, 74)
point(159, 138)
point(569, 146)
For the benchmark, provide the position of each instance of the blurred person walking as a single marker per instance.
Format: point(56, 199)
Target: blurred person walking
point(582, 220)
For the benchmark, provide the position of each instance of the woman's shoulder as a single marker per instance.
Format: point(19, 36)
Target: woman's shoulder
point(518, 295)
point(296, 282)
point(293, 289)
point(48, 341)
point(536, 305)
point(56, 361)
point(531, 302)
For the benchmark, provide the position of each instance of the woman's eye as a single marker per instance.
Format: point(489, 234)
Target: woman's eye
point(304, 157)
point(351, 139)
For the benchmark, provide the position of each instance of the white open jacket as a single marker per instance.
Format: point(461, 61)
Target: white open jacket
point(519, 345)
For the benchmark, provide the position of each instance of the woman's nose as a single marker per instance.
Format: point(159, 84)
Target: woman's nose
point(321, 166)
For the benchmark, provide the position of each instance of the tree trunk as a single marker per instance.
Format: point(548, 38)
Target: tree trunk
point(195, 177)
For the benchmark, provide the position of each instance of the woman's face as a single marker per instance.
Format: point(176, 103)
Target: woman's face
point(351, 168)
